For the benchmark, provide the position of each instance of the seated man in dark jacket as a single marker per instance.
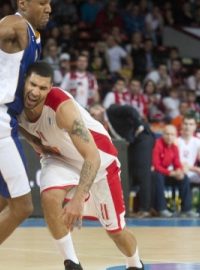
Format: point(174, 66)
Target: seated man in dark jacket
point(124, 122)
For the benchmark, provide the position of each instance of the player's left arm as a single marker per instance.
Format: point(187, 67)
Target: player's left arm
point(69, 118)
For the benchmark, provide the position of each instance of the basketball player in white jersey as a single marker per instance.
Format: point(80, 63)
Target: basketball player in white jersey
point(82, 168)
point(19, 47)
point(189, 147)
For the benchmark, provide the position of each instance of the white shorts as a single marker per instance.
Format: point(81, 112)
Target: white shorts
point(13, 178)
point(105, 200)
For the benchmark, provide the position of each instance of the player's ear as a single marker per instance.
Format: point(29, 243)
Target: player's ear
point(22, 5)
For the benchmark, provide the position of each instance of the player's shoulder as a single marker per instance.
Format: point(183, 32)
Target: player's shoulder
point(55, 97)
point(15, 20)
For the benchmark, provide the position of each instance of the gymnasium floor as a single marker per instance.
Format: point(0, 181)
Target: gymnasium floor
point(164, 245)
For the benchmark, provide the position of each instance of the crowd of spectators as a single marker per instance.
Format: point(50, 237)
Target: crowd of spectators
point(112, 52)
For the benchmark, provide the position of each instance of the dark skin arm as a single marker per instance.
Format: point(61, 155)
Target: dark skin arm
point(13, 34)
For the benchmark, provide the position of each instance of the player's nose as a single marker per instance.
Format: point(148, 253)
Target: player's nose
point(35, 92)
point(48, 8)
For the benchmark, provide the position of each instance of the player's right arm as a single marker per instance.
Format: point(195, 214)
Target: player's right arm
point(13, 34)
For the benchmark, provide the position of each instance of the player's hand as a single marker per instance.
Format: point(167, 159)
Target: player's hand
point(179, 174)
point(73, 212)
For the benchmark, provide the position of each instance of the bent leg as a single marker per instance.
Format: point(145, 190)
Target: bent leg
point(3, 203)
point(108, 200)
point(13, 214)
point(52, 203)
point(125, 241)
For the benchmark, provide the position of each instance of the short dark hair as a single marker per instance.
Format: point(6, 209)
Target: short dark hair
point(190, 116)
point(40, 68)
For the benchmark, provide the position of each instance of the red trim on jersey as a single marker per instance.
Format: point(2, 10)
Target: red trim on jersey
point(104, 143)
point(55, 97)
point(116, 191)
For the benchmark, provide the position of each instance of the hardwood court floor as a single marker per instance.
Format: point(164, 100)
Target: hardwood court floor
point(32, 248)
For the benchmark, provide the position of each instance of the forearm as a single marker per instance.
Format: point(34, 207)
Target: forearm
point(195, 169)
point(28, 137)
point(87, 177)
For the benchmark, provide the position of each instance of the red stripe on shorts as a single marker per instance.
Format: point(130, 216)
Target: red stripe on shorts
point(116, 190)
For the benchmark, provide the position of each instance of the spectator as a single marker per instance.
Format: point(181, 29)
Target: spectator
point(168, 15)
point(153, 98)
point(99, 68)
point(100, 71)
point(108, 17)
point(55, 33)
point(168, 168)
point(176, 73)
point(185, 17)
point(148, 59)
point(173, 55)
point(133, 20)
point(119, 94)
point(49, 42)
point(67, 42)
point(64, 68)
point(136, 44)
point(137, 98)
point(161, 78)
point(193, 105)
point(193, 83)
point(89, 11)
point(114, 55)
point(66, 12)
point(171, 104)
point(81, 83)
point(178, 120)
point(52, 56)
point(118, 35)
point(189, 149)
point(135, 49)
point(154, 25)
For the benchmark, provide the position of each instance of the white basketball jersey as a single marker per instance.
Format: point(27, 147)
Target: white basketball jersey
point(51, 135)
point(189, 151)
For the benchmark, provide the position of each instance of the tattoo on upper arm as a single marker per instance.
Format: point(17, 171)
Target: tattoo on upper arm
point(79, 129)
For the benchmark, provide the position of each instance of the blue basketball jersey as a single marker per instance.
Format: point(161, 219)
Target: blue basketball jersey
point(30, 55)
point(13, 70)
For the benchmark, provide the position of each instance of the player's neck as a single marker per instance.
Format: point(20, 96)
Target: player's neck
point(20, 13)
point(34, 114)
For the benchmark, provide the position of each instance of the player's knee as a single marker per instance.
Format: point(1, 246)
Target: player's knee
point(115, 235)
point(22, 208)
point(48, 200)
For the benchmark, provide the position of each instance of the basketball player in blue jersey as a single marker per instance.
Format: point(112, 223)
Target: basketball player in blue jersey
point(19, 47)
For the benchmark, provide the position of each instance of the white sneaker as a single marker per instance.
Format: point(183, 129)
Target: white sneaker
point(189, 214)
point(165, 213)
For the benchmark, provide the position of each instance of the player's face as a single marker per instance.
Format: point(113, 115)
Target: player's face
point(36, 90)
point(36, 12)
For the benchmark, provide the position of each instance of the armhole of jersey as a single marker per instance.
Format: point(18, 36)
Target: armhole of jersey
point(56, 97)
